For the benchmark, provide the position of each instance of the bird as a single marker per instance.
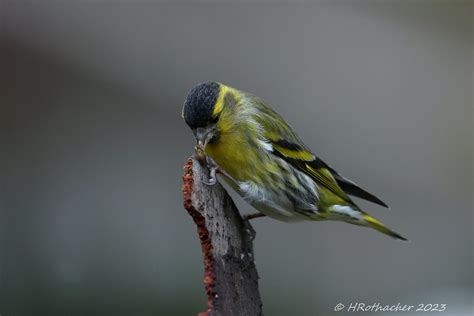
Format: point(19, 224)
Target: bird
point(254, 150)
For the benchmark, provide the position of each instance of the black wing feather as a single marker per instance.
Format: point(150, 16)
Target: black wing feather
point(344, 184)
point(352, 188)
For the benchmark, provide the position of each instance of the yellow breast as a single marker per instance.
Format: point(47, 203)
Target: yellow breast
point(235, 155)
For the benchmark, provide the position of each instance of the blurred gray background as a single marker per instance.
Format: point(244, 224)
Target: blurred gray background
point(92, 146)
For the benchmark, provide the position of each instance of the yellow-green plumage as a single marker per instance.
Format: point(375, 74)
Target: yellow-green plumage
point(267, 163)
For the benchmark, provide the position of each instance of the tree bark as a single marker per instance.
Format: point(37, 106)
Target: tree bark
point(230, 275)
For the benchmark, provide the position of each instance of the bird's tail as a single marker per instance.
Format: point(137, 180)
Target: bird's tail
point(377, 225)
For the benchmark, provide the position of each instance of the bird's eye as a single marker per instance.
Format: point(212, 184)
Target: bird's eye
point(215, 119)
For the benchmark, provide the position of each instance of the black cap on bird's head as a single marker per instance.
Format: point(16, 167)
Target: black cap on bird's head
point(198, 112)
point(199, 104)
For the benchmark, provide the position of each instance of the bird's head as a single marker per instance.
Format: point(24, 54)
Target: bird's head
point(202, 110)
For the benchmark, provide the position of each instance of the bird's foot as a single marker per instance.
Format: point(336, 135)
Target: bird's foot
point(212, 176)
point(252, 216)
point(213, 168)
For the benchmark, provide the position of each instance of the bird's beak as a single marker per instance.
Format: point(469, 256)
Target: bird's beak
point(203, 135)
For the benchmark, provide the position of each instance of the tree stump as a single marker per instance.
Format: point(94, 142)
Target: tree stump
point(230, 275)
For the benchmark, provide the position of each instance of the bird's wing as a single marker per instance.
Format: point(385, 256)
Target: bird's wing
point(303, 160)
point(287, 145)
point(351, 188)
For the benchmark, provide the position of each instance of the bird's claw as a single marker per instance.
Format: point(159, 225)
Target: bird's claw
point(204, 159)
point(248, 217)
point(213, 168)
point(212, 177)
